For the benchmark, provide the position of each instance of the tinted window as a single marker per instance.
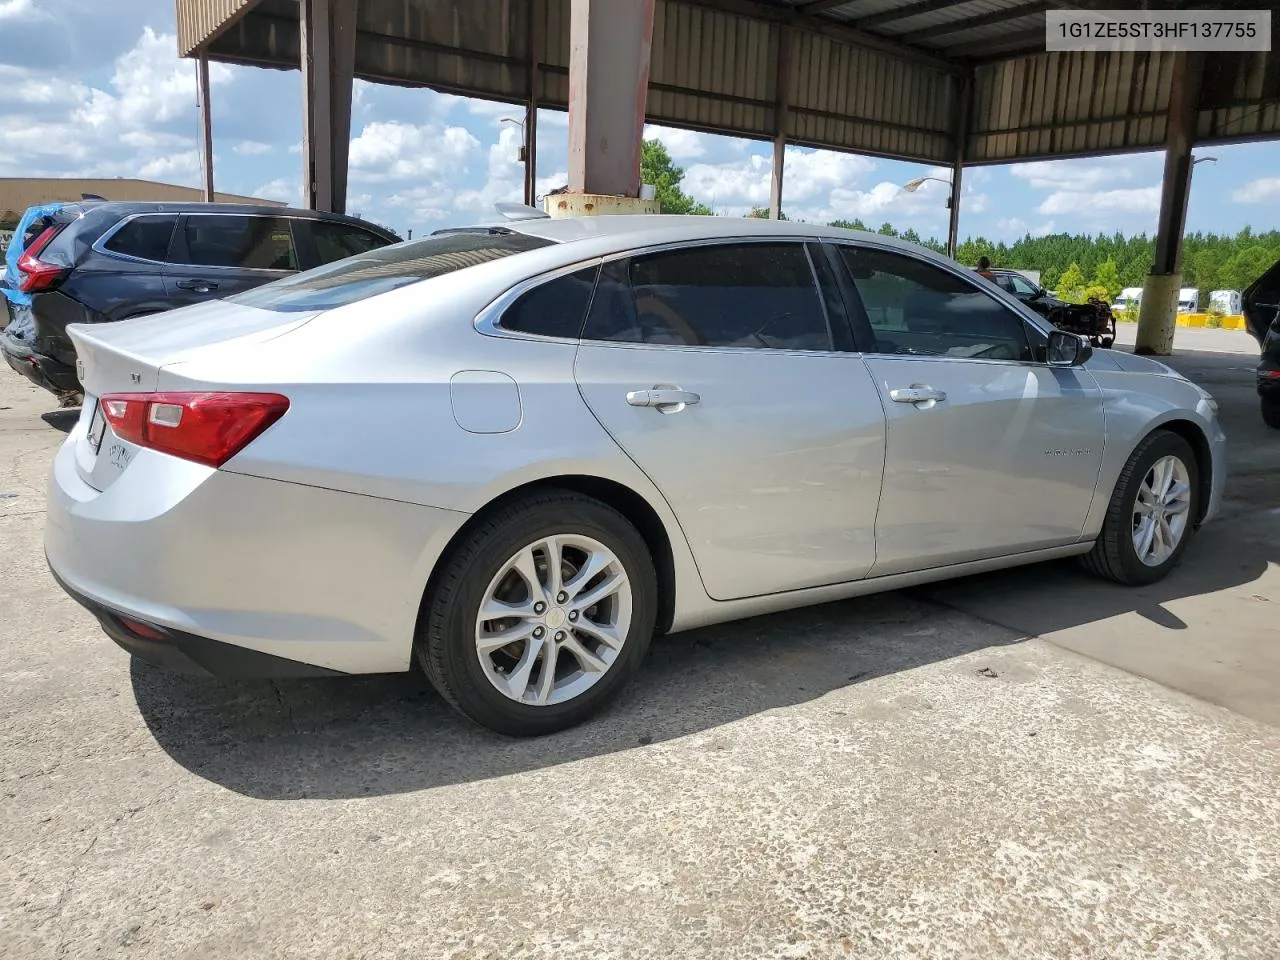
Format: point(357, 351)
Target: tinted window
point(259, 243)
point(375, 272)
point(731, 295)
point(555, 308)
point(916, 308)
point(337, 241)
point(1022, 286)
point(144, 237)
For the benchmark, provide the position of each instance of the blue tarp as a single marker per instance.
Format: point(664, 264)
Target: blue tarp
point(9, 286)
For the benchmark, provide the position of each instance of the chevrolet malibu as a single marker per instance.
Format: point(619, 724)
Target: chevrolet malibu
point(511, 455)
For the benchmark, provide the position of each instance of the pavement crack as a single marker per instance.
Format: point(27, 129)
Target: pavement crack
point(65, 893)
point(284, 705)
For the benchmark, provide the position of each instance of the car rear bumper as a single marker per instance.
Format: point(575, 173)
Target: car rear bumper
point(181, 652)
point(216, 560)
point(43, 371)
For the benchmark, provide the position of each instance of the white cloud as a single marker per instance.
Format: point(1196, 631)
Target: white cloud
point(1260, 190)
point(1099, 204)
point(176, 167)
point(1012, 227)
point(1044, 229)
point(152, 86)
point(681, 144)
point(1073, 176)
point(18, 10)
point(505, 183)
point(283, 189)
point(397, 151)
point(254, 148)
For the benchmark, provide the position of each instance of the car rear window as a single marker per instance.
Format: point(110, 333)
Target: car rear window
point(386, 269)
point(146, 238)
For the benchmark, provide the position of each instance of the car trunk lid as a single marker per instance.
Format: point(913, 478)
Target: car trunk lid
point(1261, 301)
point(127, 357)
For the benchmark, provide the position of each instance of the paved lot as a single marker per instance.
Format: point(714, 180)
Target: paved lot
point(1023, 765)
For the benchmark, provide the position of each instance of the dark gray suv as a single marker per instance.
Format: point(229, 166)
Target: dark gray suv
point(100, 261)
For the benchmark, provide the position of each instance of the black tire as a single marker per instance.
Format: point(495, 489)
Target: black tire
point(1271, 412)
point(1113, 556)
point(1107, 342)
point(445, 642)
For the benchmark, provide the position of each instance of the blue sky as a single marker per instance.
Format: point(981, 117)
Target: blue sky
point(91, 88)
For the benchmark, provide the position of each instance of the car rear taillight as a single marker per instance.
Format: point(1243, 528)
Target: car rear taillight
point(36, 274)
point(208, 428)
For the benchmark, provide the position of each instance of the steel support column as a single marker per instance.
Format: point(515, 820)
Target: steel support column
point(957, 168)
point(537, 14)
point(206, 126)
point(1158, 310)
point(609, 43)
point(328, 34)
point(781, 113)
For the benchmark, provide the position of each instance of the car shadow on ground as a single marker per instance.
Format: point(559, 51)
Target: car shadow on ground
point(63, 420)
point(372, 736)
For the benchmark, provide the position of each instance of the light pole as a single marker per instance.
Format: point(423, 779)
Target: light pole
point(522, 155)
point(911, 186)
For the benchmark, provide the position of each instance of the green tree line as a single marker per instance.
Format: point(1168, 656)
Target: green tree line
point(1077, 266)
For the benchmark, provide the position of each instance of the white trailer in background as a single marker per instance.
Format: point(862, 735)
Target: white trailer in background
point(1128, 299)
point(1226, 302)
point(1188, 299)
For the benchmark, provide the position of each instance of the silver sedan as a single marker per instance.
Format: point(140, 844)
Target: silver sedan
point(512, 454)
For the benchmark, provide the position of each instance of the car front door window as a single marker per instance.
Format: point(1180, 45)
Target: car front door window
point(914, 308)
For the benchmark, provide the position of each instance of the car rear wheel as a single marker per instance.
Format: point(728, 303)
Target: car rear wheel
point(1151, 515)
point(1271, 412)
point(541, 615)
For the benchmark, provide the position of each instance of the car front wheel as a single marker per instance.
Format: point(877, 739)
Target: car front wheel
point(541, 615)
point(1151, 514)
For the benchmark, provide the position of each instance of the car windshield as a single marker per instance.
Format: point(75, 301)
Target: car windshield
point(387, 268)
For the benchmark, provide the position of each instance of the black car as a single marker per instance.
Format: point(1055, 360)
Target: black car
point(1261, 303)
point(100, 261)
point(1093, 319)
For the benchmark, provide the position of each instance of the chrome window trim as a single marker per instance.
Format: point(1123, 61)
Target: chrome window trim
point(99, 245)
point(488, 320)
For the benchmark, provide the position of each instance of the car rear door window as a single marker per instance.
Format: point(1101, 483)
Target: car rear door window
point(337, 241)
point(229, 240)
point(753, 295)
point(916, 308)
point(144, 238)
point(556, 308)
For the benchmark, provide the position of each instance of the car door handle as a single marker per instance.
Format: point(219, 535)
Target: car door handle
point(661, 398)
point(199, 286)
point(916, 395)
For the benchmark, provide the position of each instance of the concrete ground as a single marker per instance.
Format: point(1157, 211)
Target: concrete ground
point(1022, 765)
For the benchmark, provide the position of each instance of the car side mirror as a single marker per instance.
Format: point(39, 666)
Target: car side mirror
point(1067, 349)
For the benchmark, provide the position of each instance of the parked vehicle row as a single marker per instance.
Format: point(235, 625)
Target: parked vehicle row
point(96, 262)
point(512, 454)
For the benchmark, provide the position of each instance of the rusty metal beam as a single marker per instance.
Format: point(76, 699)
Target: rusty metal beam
point(609, 43)
point(328, 46)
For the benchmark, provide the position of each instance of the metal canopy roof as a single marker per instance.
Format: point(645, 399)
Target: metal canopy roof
point(882, 77)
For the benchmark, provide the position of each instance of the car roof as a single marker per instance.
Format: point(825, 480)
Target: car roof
point(127, 208)
point(644, 229)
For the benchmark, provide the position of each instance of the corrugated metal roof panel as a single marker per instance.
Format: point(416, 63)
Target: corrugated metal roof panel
point(714, 68)
point(956, 13)
point(198, 20)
